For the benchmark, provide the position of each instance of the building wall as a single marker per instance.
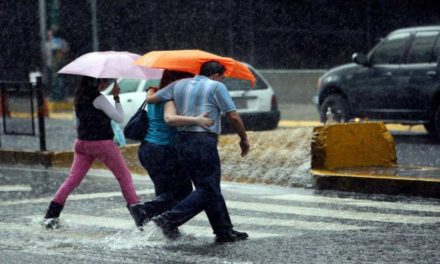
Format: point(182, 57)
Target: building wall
point(293, 86)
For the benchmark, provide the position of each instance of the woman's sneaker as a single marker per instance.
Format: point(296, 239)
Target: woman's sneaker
point(139, 215)
point(50, 223)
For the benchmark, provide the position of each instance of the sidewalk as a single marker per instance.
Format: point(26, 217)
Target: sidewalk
point(398, 180)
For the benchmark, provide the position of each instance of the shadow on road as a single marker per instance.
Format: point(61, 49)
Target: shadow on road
point(414, 138)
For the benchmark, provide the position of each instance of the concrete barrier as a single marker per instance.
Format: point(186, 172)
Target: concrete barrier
point(293, 86)
point(350, 145)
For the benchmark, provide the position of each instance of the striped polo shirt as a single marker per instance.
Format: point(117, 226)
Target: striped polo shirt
point(197, 96)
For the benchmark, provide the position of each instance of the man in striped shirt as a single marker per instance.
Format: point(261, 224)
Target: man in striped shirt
point(197, 150)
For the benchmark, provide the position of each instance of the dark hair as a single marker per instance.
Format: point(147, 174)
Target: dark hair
point(86, 89)
point(169, 76)
point(211, 67)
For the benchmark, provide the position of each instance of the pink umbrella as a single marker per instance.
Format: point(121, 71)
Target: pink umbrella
point(110, 64)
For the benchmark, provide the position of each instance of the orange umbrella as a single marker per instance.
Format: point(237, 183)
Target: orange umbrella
point(191, 60)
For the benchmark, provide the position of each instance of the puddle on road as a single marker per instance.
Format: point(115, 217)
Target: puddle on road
point(101, 245)
point(33, 236)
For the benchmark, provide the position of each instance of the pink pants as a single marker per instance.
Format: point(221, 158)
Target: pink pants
point(108, 153)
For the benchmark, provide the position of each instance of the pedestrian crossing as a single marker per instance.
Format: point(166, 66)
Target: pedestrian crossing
point(333, 213)
point(15, 188)
point(357, 202)
point(265, 216)
point(74, 197)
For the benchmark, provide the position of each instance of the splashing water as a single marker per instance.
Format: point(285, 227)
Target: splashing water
point(279, 157)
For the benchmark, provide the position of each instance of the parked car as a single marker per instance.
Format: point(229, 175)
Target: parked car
point(398, 81)
point(257, 105)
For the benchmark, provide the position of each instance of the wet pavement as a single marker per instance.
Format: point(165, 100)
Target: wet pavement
point(286, 225)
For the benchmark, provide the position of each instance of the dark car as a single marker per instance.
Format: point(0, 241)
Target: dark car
point(397, 82)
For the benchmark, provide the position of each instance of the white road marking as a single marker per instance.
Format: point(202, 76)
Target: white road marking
point(15, 188)
point(269, 222)
point(357, 202)
point(296, 224)
point(74, 197)
point(333, 213)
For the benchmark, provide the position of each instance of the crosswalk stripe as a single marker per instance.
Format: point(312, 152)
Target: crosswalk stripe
point(74, 197)
point(327, 213)
point(15, 188)
point(271, 222)
point(296, 224)
point(357, 202)
point(285, 209)
point(339, 214)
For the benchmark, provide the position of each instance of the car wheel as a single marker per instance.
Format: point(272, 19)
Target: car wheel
point(339, 107)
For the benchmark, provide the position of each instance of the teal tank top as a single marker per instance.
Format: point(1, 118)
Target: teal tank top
point(158, 131)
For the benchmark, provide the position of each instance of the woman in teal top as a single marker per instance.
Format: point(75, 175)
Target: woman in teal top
point(158, 155)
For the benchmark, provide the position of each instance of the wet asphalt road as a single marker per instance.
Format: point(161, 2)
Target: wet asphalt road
point(286, 225)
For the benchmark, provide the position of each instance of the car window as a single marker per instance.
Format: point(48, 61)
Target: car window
point(391, 50)
point(236, 84)
point(128, 85)
point(421, 48)
point(240, 85)
point(436, 52)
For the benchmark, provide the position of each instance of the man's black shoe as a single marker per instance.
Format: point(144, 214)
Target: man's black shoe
point(168, 230)
point(230, 236)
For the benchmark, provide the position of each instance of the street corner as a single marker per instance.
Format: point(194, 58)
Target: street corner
point(397, 180)
point(361, 157)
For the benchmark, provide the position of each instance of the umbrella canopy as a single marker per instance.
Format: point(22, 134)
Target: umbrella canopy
point(191, 60)
point(110, 64)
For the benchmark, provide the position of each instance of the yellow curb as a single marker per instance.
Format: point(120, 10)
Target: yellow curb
point(398, 127)
point(390, 127)
point(331, 173)
point(52, 115)
point(62, 115)
point(60, 106)
point(68, 115)
point(294, 123)
point(65, 158)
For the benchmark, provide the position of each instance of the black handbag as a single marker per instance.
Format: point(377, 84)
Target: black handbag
point(137, 126)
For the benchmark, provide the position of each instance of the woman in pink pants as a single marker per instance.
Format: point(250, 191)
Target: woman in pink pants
point(95, 141)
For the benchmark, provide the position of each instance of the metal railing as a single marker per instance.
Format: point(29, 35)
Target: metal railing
point(17, 109)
